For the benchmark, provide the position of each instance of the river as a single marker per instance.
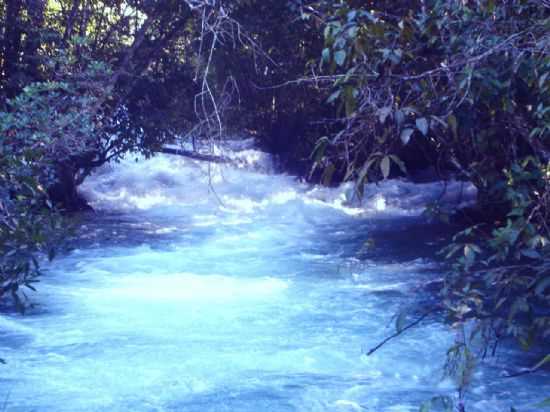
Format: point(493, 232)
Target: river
point(231, 288)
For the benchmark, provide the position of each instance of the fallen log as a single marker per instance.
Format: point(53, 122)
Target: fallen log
point(194, 155)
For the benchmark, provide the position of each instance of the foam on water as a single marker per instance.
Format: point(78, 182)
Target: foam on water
point(223, 288)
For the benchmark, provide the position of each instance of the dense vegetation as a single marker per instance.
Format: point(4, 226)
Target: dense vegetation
point(340, 89)
point(469, 85)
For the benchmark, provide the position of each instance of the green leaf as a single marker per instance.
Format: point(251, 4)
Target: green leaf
point(326, 55)
point(340, 57)
point(385, 167)
point(451, 120)
point(422, 125)
point(328, 173)
point(406, 135)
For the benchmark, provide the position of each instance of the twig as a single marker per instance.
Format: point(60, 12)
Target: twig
point(396, 334)
point(520, 373)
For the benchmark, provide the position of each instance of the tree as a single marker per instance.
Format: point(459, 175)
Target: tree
point(467, 84)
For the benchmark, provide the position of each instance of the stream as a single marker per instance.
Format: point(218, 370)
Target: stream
point(202, 288)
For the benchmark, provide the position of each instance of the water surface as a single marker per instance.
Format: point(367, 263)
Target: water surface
point(227, 288)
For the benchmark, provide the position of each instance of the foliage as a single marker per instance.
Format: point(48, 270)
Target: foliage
point(463, 86)
point(49, 126)
point(439, 75)
point(467, 85)
point(29, 225)
point(277, 102)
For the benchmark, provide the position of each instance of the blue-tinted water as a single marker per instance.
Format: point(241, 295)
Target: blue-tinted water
point(259, 297)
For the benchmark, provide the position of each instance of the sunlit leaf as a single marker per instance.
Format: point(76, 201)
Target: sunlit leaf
point(385, 167)
point(406, 135)
point(422, 125)
point(340, 57)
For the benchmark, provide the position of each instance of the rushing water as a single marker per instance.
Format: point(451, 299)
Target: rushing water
point(220, 288)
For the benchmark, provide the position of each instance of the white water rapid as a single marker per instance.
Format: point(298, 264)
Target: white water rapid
point(230, 288)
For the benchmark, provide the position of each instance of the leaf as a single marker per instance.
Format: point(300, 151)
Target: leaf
point(334, 96)
point(469, 255)
point(340, 57)
point(351, 15)
point(385, 167)
point(542, 285)
point(352, 32)
point(326, 55)
point(328, 173)
point(452, 251)
point(399, 163)
point(350, 100)
point(399, 118)
point(363, 174)
point(542, 79)
point(400, 321)
point(451, 120)
point(422, 125)
point(531, 253)
point(513, 236)
point(383, 114)
point(406, 135)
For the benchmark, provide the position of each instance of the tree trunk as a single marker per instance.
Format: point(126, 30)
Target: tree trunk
point(64, 192)
point(71, 19)
point(35, 11)
point(12, 47)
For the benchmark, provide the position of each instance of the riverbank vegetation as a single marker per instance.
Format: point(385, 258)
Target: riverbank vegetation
point(338, 89)
point(469, 85)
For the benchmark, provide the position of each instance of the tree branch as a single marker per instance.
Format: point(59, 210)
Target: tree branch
point(396, 334)
point(194, 155)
